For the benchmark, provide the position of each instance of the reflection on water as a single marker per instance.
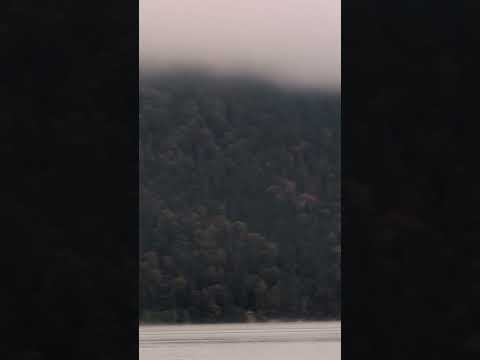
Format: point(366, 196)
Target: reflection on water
point(279, 341)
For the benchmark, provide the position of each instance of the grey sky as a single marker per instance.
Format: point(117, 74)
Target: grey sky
point(292, 40)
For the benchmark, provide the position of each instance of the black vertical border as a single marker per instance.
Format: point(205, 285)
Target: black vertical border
point(409, 220)
point(69, 114)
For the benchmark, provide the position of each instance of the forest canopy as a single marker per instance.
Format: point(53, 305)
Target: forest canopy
point(240, 200)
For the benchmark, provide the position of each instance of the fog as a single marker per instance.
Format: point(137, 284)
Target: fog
point(290, 41)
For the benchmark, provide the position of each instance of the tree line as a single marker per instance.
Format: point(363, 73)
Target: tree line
point(240, 201)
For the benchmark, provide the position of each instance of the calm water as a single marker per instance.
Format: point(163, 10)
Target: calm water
point(275, 341)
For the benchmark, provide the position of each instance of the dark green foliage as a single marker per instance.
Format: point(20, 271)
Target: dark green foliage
point(239, 201)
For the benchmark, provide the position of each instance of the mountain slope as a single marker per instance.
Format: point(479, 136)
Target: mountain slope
point(239, 200)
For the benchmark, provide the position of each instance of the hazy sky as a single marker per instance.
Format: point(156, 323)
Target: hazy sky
point(292, 40)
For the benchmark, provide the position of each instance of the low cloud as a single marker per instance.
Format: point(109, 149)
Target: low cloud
point(292, 41)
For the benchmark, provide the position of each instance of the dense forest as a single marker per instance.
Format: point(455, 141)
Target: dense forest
point(240, 200)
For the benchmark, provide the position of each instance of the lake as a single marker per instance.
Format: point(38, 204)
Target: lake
point(266, 341)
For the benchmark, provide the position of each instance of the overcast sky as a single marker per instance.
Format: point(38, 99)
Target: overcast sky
point(292, 40)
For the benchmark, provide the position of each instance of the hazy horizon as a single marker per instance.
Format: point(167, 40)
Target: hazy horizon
point(291, 42)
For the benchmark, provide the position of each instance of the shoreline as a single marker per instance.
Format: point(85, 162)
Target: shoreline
point(273, 321)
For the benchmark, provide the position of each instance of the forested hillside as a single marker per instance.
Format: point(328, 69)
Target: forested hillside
point(240, 201)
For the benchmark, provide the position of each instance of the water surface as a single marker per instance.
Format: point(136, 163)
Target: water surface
point(276, 341)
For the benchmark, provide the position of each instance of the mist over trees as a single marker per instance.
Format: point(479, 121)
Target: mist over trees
point(240, 201)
